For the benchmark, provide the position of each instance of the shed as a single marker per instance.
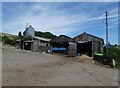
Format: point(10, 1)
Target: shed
point(88, 44)
point(41, 44)
point(32, 42)
point(60, 44)
point(35, 43)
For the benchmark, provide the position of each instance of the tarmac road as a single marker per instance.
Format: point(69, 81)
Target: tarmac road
point(24, 68)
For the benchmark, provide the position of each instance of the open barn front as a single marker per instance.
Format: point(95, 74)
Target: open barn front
point(60, 44)
point(60, 47)
point(84, 48)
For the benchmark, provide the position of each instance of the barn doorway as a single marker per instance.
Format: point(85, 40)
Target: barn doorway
point(84, 48)
point(28, 45)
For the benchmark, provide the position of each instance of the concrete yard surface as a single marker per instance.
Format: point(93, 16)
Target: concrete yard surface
point(25, 68)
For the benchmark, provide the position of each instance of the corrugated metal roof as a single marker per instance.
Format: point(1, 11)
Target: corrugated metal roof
point(43, 39)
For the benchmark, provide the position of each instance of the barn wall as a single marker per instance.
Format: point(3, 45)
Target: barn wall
point(35, 45)
point(97, 47)
point(43, 46)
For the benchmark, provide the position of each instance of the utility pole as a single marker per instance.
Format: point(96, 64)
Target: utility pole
point(106, 28)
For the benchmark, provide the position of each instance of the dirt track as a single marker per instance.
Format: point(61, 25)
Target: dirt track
point(24, 68)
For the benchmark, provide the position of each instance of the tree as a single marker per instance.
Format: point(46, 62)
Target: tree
point(38, 33)
point(49, 35)
point(24, 33)
point(44, 34)
point(115, 45)
point(20, 34)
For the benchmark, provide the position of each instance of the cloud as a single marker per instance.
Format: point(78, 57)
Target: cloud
point(45, 18)
point(112, 14)
point(59, 18)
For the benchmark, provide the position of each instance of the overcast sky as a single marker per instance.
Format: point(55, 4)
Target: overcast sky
point(69, 18)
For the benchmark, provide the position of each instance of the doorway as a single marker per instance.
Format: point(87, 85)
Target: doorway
point(84, 48)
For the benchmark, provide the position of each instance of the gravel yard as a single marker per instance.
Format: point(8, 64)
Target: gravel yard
point(25, 68)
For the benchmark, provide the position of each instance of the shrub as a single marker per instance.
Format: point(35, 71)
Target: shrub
point(104, 59)
point(9, 40)
point(108, 55)
point(113, 52)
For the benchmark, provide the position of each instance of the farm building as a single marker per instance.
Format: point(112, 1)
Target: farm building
point(38, 44)
point(60, 44)
point(34, 43)
point(82, 44)
point(88, 44)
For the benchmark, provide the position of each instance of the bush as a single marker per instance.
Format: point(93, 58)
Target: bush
point(113, 52)
point(104, 59)
point(108, 55)
point(9, 40)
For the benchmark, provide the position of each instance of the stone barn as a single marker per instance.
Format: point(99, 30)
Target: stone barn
point(88, 44)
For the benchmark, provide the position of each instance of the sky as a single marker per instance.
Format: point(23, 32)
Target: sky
point(69, 18)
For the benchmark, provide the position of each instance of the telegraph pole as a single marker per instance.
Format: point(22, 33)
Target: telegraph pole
point(106, 28)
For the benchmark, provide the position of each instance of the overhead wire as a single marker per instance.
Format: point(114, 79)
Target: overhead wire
point(89, 12)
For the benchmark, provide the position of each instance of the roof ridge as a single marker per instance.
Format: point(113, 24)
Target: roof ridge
point(87, 34)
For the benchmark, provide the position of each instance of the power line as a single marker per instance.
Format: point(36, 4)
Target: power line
point(89, 12)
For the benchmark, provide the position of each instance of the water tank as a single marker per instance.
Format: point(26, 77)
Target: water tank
point(30, 31)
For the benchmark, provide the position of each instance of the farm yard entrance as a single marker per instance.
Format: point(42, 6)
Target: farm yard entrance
point(84, 48)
